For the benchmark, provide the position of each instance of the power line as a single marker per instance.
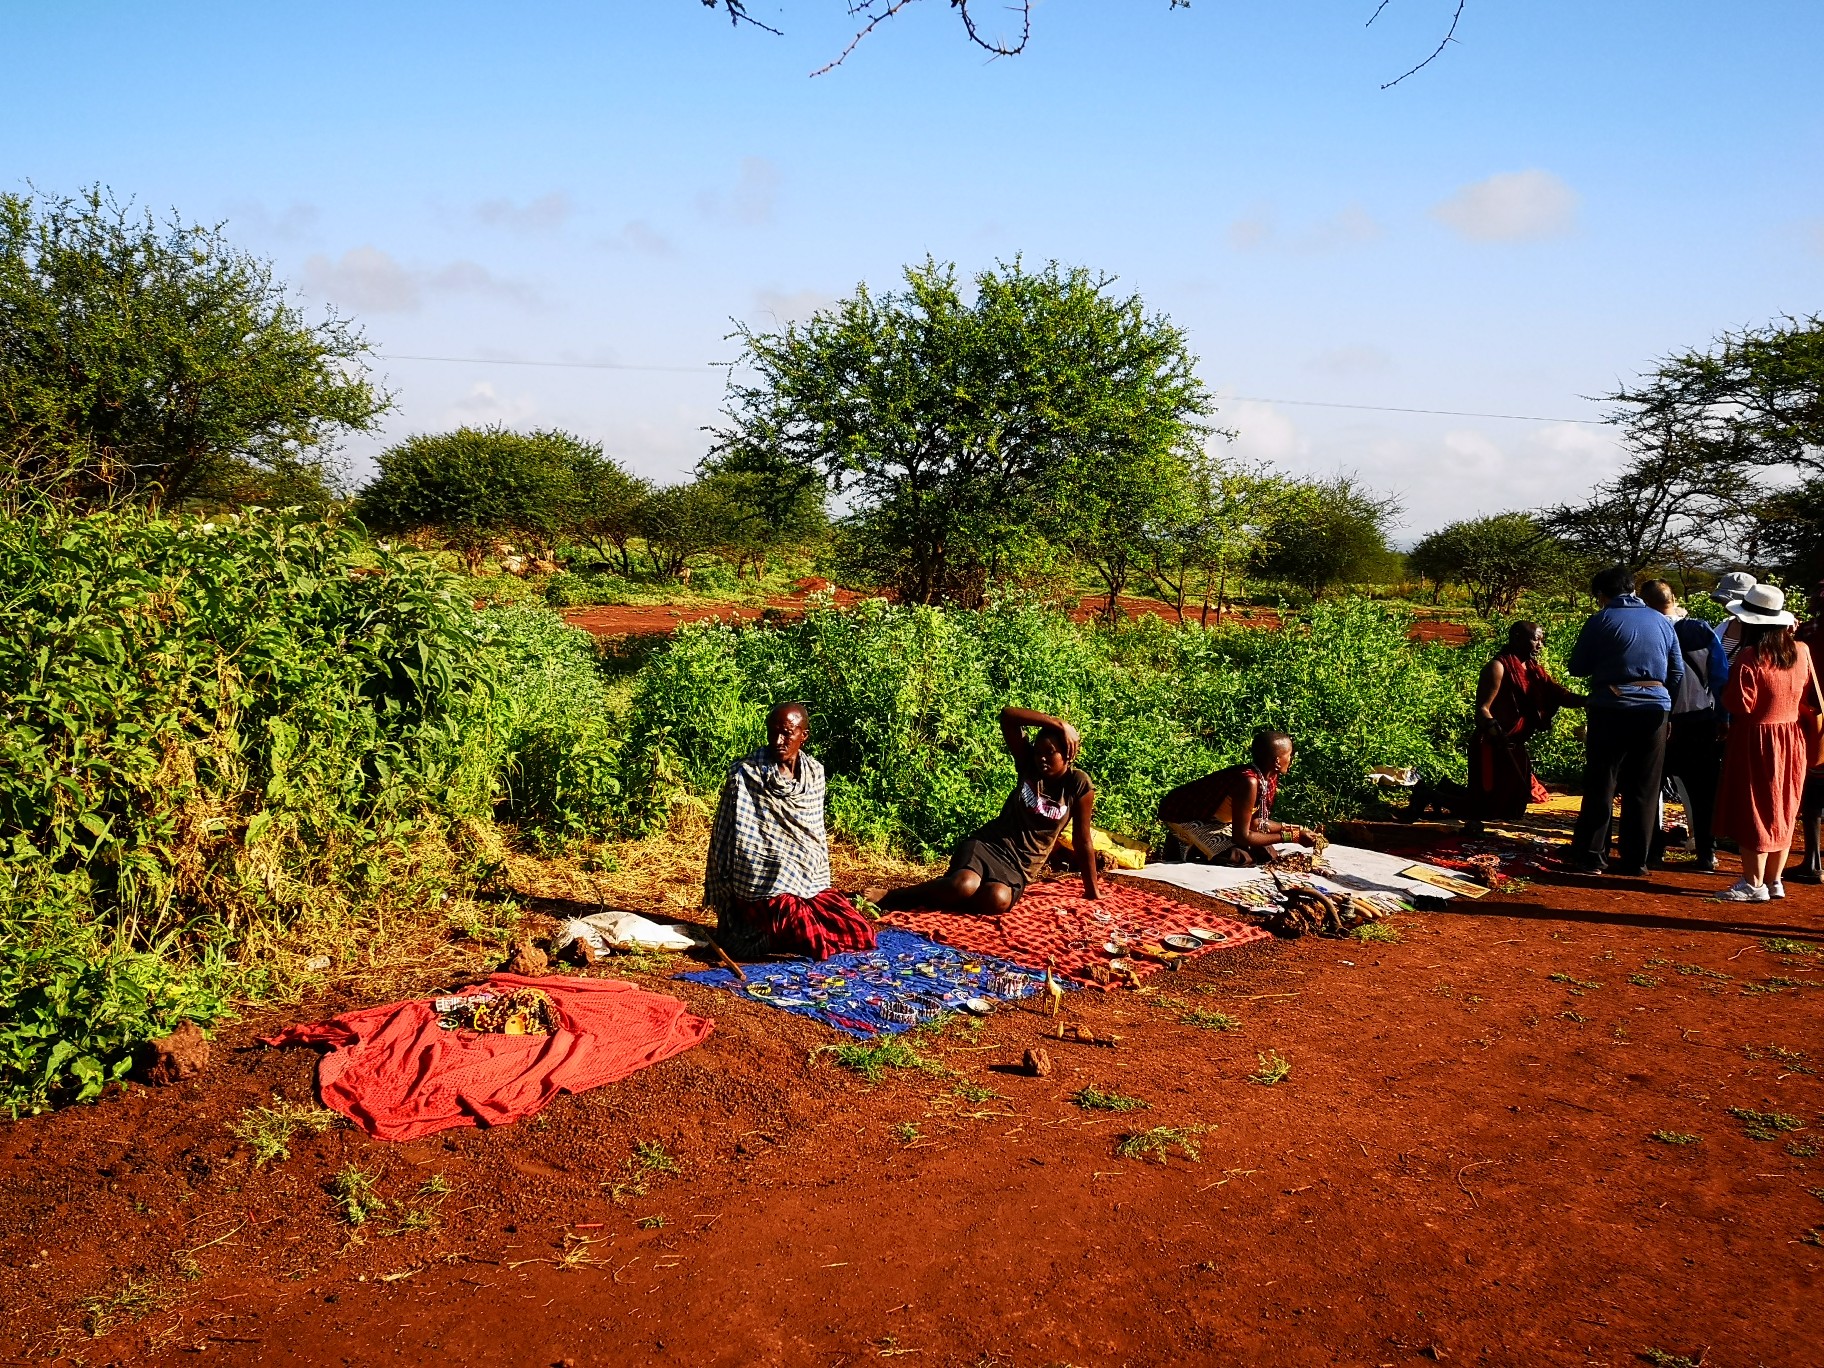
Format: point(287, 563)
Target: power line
point(561, 365)
point(1240, 398)
point(1445, 413)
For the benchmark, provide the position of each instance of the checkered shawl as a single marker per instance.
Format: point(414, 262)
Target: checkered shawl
point(768, 836)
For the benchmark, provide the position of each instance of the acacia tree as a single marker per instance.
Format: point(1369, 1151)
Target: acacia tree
point(157, 363)
point(1683, 497)
point(602, 507)
point(475, 486)
point(1755, 397)
point(957, 426)
point(1335, 533)
point(1699, 428)
point(1496, 558)
point(1221, 525)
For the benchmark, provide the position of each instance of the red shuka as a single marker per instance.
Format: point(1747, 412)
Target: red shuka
point(398, 1075)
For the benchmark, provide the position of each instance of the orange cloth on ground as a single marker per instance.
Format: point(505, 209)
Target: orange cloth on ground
point(1764, 760)
point(398, 1075)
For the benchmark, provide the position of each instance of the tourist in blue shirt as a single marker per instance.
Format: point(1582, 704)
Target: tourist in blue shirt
point(1631, 656)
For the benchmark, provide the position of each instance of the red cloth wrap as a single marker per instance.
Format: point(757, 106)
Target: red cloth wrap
point(398, 1075)
point(828, 924)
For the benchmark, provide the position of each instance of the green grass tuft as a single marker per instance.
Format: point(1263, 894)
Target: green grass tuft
point(1759, 1125)
point(650, 1155)
point(356, 1198)
point(1784, 945)
point(268, 1130)
point(871, 1061)
point(1376, 933)
point(1211, 1021)
point(1272, 1068)
point(1092, 1098)
point(1671, 1137)
point(1156, 1145)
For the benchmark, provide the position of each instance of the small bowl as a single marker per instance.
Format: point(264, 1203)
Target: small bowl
point(1182, 944)
point(978, 1006)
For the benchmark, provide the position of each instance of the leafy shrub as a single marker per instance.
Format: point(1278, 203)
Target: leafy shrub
point(217, 729)
point(904, 704)
point(568, 590)
point(555, 724)
point(712, 575)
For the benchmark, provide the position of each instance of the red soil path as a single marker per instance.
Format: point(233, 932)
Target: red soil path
point(605, 621)
point(1458, 1169)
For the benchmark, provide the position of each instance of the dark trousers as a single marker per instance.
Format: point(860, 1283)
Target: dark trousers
point(1625, 748)
point(1692, 754)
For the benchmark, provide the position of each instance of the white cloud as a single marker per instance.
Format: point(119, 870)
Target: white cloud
point(545, 212)
point(1512, 206)
point(365, 279)
point(369, 280)
point(1263, 433)
point(484, 404)
point(751, 202)
point(791, 308)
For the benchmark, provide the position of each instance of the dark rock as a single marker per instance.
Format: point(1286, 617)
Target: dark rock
point(182, 1054)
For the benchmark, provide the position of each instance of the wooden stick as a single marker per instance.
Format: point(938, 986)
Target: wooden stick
point(728, 963)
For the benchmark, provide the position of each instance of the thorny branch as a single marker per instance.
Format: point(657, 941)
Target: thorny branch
point(877, 12)
point(1442, 43)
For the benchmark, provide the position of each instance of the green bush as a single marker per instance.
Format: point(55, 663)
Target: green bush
point(219, 731)
point(556, 724)
point(905, 699)
point(567, 590)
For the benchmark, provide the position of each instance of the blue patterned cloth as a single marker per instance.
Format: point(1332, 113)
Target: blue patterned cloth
point(903, 981)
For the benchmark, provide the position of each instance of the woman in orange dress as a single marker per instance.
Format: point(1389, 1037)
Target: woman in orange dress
point(1765, 757)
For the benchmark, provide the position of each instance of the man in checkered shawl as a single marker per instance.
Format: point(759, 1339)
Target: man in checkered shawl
point(768, 877)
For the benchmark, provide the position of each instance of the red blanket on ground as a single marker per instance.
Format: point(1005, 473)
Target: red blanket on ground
point(1054, 921)
point(398, 1075)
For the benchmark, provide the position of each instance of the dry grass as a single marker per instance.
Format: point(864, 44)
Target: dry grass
point(662, 874)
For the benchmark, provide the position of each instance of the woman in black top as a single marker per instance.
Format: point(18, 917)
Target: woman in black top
point(991, 868)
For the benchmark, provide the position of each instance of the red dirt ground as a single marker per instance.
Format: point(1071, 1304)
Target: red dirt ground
point(606, 621)
point(1459, 1169)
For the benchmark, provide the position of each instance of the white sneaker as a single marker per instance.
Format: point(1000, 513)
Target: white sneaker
point(1776, 889)
point(1743, 891)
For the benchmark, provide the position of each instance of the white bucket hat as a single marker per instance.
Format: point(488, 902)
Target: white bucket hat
point(1732, 586)
point(1764, 606)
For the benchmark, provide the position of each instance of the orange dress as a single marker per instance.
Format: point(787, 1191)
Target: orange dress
point(1764, 760)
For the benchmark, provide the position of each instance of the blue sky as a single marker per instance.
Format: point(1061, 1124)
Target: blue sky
point(1569, 191)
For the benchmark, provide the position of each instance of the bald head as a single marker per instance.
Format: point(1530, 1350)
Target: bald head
point(787, 726)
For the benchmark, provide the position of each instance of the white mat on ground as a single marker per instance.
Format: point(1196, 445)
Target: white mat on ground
point(607, 931)
point(1351, 869)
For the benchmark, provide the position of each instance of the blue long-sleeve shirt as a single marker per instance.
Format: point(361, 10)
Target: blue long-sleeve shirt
point(1630, 654)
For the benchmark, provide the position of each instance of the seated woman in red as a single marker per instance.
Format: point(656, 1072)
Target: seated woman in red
point(991, 868)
